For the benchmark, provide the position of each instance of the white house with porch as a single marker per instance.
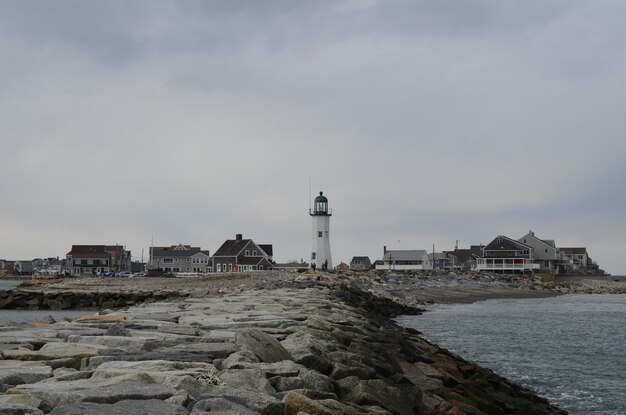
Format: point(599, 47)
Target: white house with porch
point(506, 255)
point(404, 260)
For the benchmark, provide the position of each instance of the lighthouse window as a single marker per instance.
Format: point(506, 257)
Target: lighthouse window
point(312, 255)
point(319, 234)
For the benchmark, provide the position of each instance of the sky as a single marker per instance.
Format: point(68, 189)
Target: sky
point(424, 122)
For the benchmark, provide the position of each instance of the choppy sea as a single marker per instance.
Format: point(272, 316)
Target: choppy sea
point(569, 349)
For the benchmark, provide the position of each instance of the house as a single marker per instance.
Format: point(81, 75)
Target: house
point(506, 255)
point(465, 259)
point(120, 257)
point(442, 260)
point(55, 266)
point(240, 255)
point(23, 267)
point(85, 260)
point(342, 266)
point(404, 260)
point(577, 257)
point(360, 263)
point(180, 258)
point(545, 253)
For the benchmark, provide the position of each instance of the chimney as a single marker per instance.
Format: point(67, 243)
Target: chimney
point(384, 249)
point(238, 237)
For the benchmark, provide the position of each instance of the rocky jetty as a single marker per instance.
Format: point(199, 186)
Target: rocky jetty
point(306, 350)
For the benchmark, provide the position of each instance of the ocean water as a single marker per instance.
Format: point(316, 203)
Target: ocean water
point(29, 316)
point(569, 349)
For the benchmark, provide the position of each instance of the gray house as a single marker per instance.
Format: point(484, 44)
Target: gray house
point(23, 267)
point(545, 253)
point(241, 255)
point(180, 258)
point(404, 259)
point(577, 257)
point(360, 263)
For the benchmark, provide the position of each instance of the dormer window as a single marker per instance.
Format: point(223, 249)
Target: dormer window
point(254, 253)
point(247, 252)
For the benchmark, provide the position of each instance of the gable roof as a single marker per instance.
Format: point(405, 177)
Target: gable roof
point(87, 249)
point(232, 247)
point(267, 248)
point(405, 255)
point(531, 234)
point(360, 258)
point(502, 241)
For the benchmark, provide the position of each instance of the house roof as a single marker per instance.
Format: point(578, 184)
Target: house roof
point(86, 249)
point(360, 258)
point(172, 253)
point(250, 260)
point(267, 248)
point(232, 247)
point(531, 234)
point(502, 240)
point(405, 255)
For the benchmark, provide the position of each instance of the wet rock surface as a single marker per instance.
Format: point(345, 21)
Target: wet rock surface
point(321, 348)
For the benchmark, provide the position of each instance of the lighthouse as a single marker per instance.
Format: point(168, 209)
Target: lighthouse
point(320, 235)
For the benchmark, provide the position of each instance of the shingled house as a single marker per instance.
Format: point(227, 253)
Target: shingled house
point(506, 255)
point(180, 258)
point(241, 255)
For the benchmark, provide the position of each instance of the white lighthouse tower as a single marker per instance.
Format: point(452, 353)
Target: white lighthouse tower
point(320, 224)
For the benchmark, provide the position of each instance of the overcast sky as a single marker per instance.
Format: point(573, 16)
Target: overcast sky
point(423, 122)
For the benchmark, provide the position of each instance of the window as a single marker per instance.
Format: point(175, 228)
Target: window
point(260, 267)
point(313, 255)
point(230, 267)
point(319, 234)
point(167, 260)
point(254, 253)
point(83, 262)
point(219, 267)
point(546, 250)
point(247, 252)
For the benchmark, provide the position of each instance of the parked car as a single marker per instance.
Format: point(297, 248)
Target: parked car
point(124, 274)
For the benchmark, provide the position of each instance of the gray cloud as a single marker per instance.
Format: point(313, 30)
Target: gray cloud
point(425, 122)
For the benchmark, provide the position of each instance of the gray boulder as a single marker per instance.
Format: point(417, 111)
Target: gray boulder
point(10, 409)
point(127, 407)
point(220, 406)
point(308, 351)
point(266, 347)
point(18, 372)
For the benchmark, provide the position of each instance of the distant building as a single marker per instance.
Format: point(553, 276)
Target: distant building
point(442, 260)
point(360, 263)
point(545, 253)
point(240, 255)
point(180, 258)
point(506, 255)
point(577, 257)
point(23, 268)
point(465, 259)
point(342, 266)
point(402, 259)
point(86, 260)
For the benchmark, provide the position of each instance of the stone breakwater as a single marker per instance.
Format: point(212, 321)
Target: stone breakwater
point(266, 351)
